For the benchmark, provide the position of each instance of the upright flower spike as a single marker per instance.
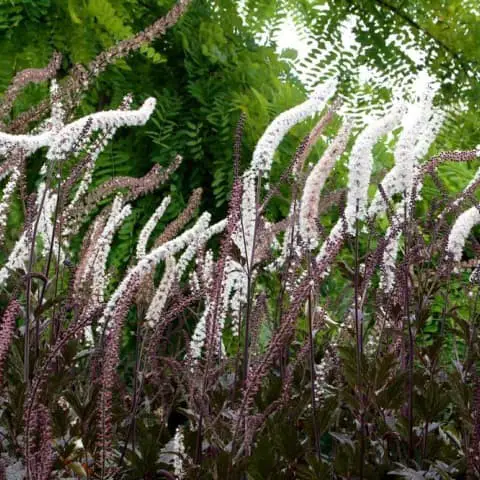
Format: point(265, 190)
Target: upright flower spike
point(235, 293)
point(6, 197)
point(7, 329)
point(389, 261)
point(159, 300)
point(420, 124)
point(271, 139)
point(45, 224)
point(420, 127)
point(361, 162)
point(243, 235)
point(149, 227)
point(99, 259)
point(200, 333)
point(308, 216)
point(460, 232)
point(21, 251)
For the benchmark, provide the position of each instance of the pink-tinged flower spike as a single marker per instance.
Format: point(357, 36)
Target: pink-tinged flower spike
point(111, 358)
point(60, 143)
point(471, 185)
point(39, 454)
point(271, 139)
point(24, 77)
point(361, 162)
point(420, 127)
point(313, 186)
point(7, 329)
point(460, 231)
point(149, 261)
point(149, 227)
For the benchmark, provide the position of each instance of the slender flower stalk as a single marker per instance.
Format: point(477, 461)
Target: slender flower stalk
point(150, 225)
point(308, 216)
point(110, 362)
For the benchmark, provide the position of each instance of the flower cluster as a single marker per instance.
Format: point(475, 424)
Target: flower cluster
point(360, 164)
point(460, 232)
point(98, 259)
point(150, 225)
point(421, 125)
point(308, 216)
point(214, 326)
point(273, 135)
